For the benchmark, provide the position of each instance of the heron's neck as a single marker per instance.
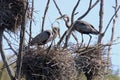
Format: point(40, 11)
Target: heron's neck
point(54, 33)
point(67, 23)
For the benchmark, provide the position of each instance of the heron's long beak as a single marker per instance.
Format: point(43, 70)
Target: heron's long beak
point(60, 17)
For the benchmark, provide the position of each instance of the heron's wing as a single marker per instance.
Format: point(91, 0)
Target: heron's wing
point(84, 27)
point(41, 38)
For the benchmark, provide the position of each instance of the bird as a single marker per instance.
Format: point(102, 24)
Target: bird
point(81, 26)
point(45, 36)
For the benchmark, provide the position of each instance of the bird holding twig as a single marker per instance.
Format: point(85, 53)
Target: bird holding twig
point(81, 26)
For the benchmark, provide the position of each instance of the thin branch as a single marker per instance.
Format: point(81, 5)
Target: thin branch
point(111, 19)
point(30, 29)
point(57, 7)
point(73, 12)
point(45, 12)
point(9, 69)
point(22, 33)
point(89, 9)
point(8, 65)
point(61, 39)
point(15, 39)
point(112, 35)
point(101, 13)
point(9, 43)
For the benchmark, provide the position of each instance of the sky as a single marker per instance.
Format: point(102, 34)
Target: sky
point(66, 7)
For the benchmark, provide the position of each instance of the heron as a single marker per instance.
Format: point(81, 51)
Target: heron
point(81, 26)
point(45, 36)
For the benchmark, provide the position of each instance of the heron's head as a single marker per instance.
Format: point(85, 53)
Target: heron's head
point(66, 17)
point(56, 30)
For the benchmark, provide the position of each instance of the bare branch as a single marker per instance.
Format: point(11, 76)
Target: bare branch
point(57, 7)
point(112, 35)
point(9, 44)
point(89, 8)
point(8, 65)
point(20, 54)
point(30, 29)
point(73, 12)
point(61, 39)
point(45, 12)
point(111, 19)
point(101, 13)
point(11, 36)
point(9, 69)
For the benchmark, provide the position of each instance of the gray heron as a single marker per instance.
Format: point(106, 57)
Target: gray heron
point(81, 26)
point(45, 36)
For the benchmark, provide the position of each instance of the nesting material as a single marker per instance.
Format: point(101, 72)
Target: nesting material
point(38, 64)
point(11, 14)
point(89, 62)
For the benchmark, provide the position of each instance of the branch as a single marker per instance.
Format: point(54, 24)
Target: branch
point(101, 13)
point(22, 33)
point(57, 7)
point(9, 44)
point(11, 36)
point(30, 29)
point(89, 8)
point(45, 12)
point(9, 69)
point(73, 12)
point(112, 35)
point(61, 39)
point(111, 19)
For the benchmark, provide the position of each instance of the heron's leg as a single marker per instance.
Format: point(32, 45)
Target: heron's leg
point(76, 39)
point(61, 39)
point(89, 41)
point(66, 40)
point(50, 46)
point(82, 40)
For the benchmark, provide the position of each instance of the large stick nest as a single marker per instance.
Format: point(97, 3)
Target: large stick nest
point(38, 64)
point(90, 61)
point(11, 14)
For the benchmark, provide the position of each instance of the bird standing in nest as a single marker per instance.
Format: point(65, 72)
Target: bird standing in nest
point(45, 36)
point(81, 26)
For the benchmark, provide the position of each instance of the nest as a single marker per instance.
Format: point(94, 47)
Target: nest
point(38, 64)
point(89, 61)
point(11, 12)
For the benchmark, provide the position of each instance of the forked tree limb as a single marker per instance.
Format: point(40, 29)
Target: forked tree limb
point(44, 16)
point(5, 61)
point(9, 44)
point(101, 13)
point(112, 35)
point(20, 53)
point(31, 20)
point(89, 9)
point(73, 12)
